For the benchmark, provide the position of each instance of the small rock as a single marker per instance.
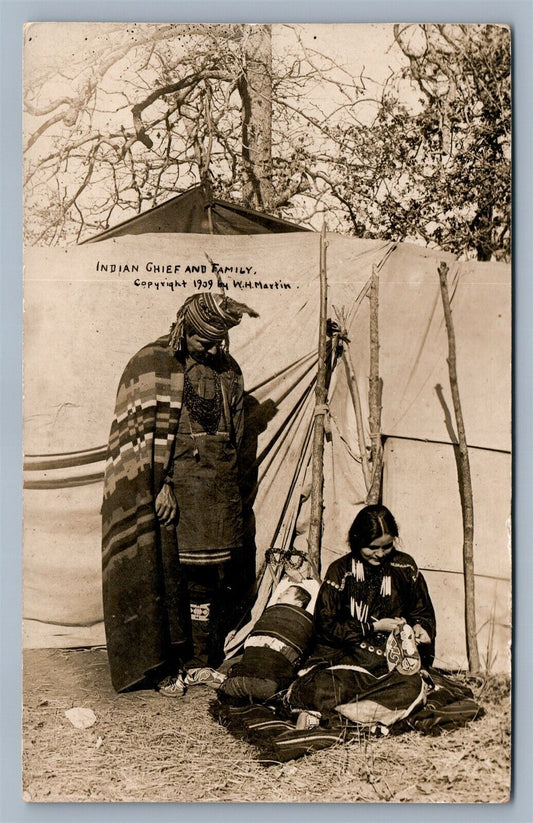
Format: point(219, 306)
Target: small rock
point(81, 718)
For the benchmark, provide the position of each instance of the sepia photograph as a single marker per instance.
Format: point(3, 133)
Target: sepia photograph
point(267, 541)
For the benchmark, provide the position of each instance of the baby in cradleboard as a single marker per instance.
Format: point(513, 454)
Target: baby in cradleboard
point(274, 649)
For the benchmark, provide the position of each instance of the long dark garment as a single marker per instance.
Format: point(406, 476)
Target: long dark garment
point(146, 605)
point(206, 475)
point(206, 485)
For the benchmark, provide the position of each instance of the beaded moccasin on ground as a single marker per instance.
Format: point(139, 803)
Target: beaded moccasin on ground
point(172, 686)
point(204, 677)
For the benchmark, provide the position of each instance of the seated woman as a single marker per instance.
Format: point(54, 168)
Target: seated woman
point(367, 594)
point(274, 649)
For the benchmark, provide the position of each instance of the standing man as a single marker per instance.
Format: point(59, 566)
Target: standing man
point(172, 509)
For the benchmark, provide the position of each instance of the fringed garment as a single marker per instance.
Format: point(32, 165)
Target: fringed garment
point(146, 607)
point(354, 594)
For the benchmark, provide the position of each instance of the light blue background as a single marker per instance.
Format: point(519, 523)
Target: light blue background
point(12, 16)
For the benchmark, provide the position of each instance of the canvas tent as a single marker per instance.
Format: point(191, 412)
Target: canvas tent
point(196, 211)
point(88, 308)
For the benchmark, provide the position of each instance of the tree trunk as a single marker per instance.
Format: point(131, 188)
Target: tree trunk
point(255, 88)
point(482, 225)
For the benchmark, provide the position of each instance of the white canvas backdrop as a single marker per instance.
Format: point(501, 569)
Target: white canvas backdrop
point(83, 323)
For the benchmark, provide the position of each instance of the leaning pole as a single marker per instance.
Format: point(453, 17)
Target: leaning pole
point(465, 483)
point(317, 473)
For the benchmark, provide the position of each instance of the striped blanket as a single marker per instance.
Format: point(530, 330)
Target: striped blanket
point(145, 601)
point(429, 702)
point(272, 653)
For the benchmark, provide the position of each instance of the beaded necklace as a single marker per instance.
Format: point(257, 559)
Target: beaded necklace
point(204, 411)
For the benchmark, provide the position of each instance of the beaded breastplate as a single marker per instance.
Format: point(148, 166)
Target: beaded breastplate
point(204, 411)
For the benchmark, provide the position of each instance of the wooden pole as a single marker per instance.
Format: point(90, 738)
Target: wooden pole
point(317, 477)
point(353, 387)
point(465, 483)
point(375, 392)
point(356, 400)
point(375, 487)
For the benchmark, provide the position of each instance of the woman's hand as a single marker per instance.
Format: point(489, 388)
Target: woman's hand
point(166, 505)
point(421, 635)
point(388, 624)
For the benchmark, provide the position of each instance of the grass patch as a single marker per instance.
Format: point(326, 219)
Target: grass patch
point(144, 747)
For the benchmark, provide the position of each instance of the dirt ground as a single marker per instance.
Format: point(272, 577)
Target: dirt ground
point(144, 747)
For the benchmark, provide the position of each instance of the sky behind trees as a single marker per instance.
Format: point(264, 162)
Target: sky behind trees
point(396, 132)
